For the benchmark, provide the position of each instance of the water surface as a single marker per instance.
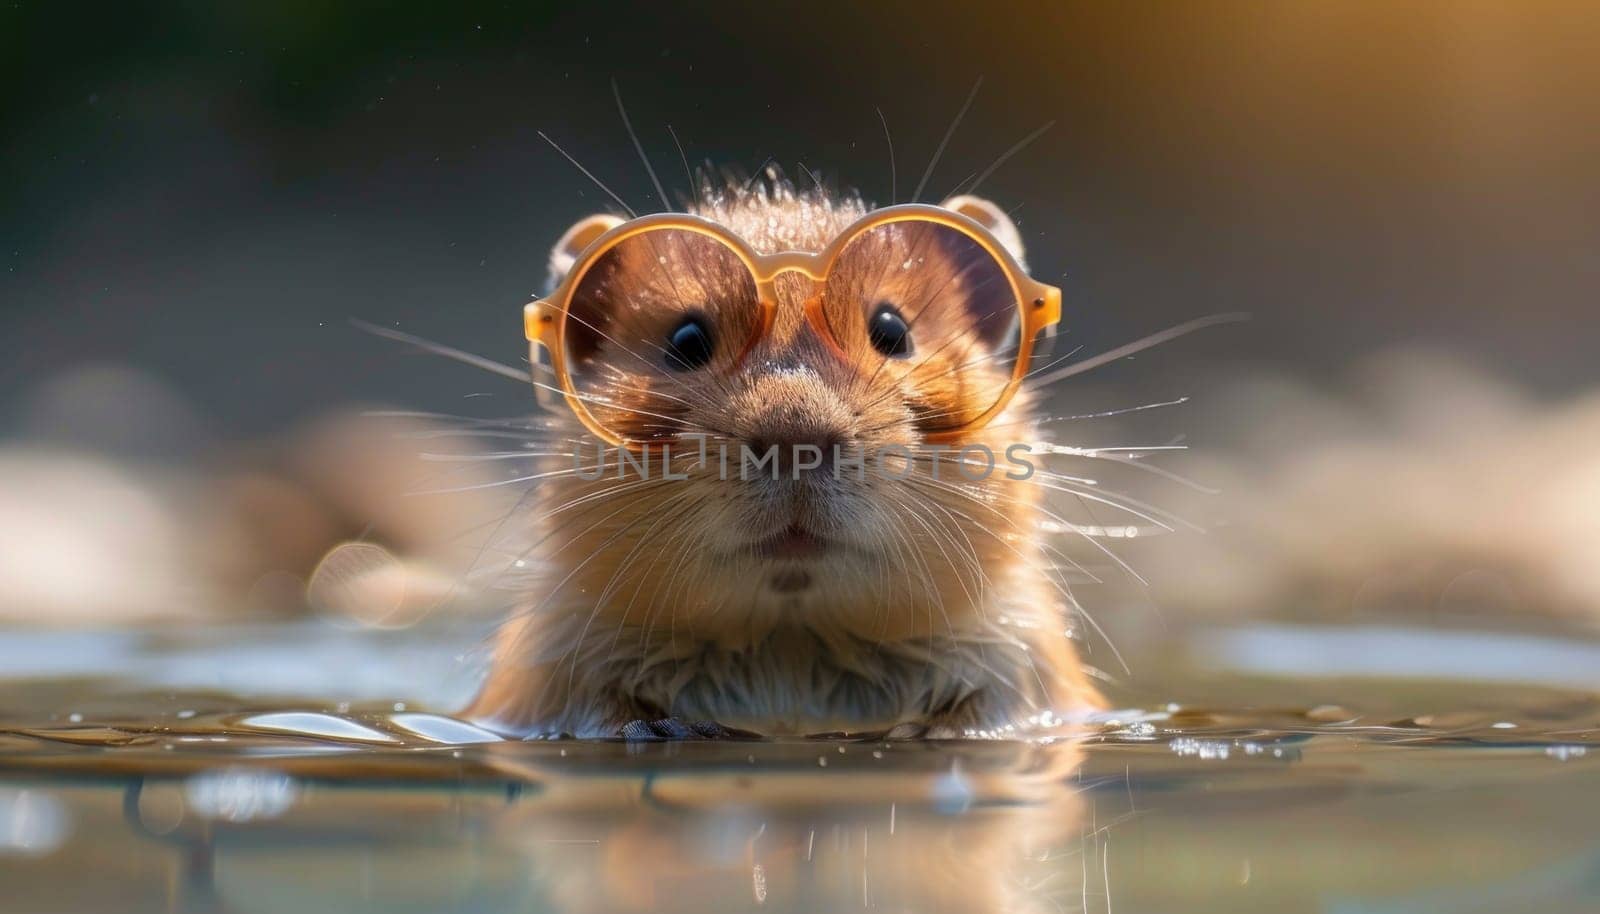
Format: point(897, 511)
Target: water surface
point(308, 768)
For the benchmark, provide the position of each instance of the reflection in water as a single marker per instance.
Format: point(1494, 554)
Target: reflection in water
point(240, 794)
point(561, 826)
point(32, 822)
point(888, 827)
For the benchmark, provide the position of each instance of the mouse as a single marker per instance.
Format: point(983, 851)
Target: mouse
point(805, 601)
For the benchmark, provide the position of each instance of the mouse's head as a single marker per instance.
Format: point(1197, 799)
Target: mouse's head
point(809, 409)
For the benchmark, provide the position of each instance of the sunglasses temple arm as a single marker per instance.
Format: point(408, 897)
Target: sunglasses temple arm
point(545, 388)
point(536, 319)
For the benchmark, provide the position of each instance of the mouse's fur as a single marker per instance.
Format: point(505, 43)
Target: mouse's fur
point(931, 606)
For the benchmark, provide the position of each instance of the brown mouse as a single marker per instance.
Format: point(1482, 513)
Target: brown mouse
point(790, 603)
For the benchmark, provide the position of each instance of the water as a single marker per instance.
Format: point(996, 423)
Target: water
point(206, 776)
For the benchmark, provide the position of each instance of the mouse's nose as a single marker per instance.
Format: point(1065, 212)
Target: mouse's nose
point(798, 454)
point(790, 420)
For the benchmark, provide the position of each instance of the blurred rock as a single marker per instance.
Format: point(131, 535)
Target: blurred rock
point(110, 515)
point(1429, 490)
point(86, 542)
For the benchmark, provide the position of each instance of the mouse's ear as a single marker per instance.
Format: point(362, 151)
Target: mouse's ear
point(574, 240)
point(992, 218)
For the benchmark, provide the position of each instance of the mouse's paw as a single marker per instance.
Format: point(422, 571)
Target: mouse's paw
point(671, 728)
point(922, 731)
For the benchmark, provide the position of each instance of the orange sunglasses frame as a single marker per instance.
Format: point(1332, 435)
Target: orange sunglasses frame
point(1038, 304)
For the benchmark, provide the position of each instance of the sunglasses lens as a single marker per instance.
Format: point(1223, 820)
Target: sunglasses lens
point(931, 309)
point(648, 321)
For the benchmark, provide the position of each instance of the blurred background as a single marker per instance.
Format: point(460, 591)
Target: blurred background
point(1406, 197)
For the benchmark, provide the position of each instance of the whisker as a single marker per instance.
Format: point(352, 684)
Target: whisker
point(814, 182)
point(613, 405)
point(1103, 414)
point(661, 193)
point(1125, 503)
point(590, 175)
point(449, 352)
point(1140, 345)
point(894, 189)
point(756, 175)
point(508, 482)
point(688, 173)
point(473, 421)
point(491, 456)
point(939, 152)
point(1056, 582)
point(1070, 451)
point(1162, 472)
point(1065, 525)
point(1020, 145)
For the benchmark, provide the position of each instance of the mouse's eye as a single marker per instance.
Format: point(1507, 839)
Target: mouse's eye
point(689, 344)
point(888, 332)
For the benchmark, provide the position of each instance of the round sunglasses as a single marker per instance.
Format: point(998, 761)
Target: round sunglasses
point(919, 293)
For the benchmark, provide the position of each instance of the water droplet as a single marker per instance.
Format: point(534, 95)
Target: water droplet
point(1205, 749)
point(758, 878)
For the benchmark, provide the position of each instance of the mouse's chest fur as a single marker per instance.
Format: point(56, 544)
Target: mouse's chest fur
point(797, 682)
